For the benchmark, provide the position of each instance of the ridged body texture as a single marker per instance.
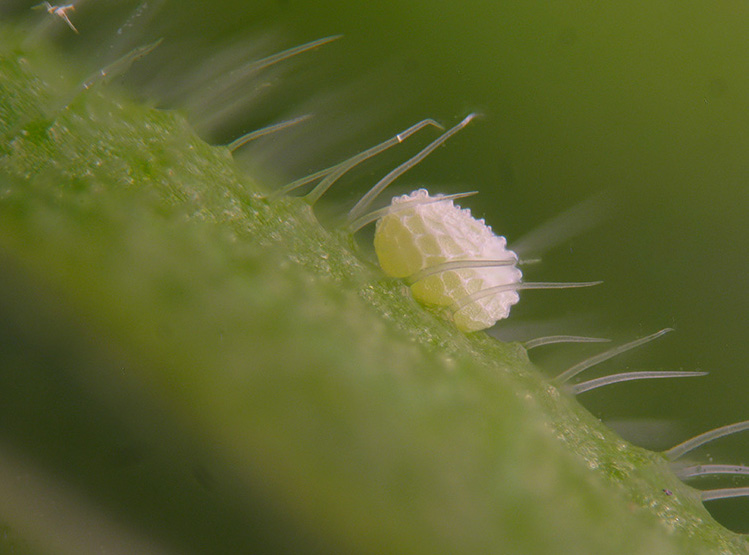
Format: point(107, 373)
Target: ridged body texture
point(420, 235)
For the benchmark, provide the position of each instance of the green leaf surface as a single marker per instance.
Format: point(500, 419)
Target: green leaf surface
point(218, 373)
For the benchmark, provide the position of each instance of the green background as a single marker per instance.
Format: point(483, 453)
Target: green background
point(641, 104)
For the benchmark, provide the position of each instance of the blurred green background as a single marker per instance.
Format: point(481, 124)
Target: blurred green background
point(643, 106)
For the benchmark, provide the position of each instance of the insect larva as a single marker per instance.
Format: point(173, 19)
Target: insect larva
point(462, 252)
point(449, 258)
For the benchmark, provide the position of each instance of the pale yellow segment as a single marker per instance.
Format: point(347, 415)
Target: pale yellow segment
point(396, 250)
point(438, 289)
point(472, 319)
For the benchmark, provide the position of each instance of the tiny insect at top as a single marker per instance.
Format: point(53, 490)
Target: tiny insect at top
point(447, 255)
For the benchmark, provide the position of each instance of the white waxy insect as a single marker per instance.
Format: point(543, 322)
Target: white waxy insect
point(450, 258)
point(436, 246)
